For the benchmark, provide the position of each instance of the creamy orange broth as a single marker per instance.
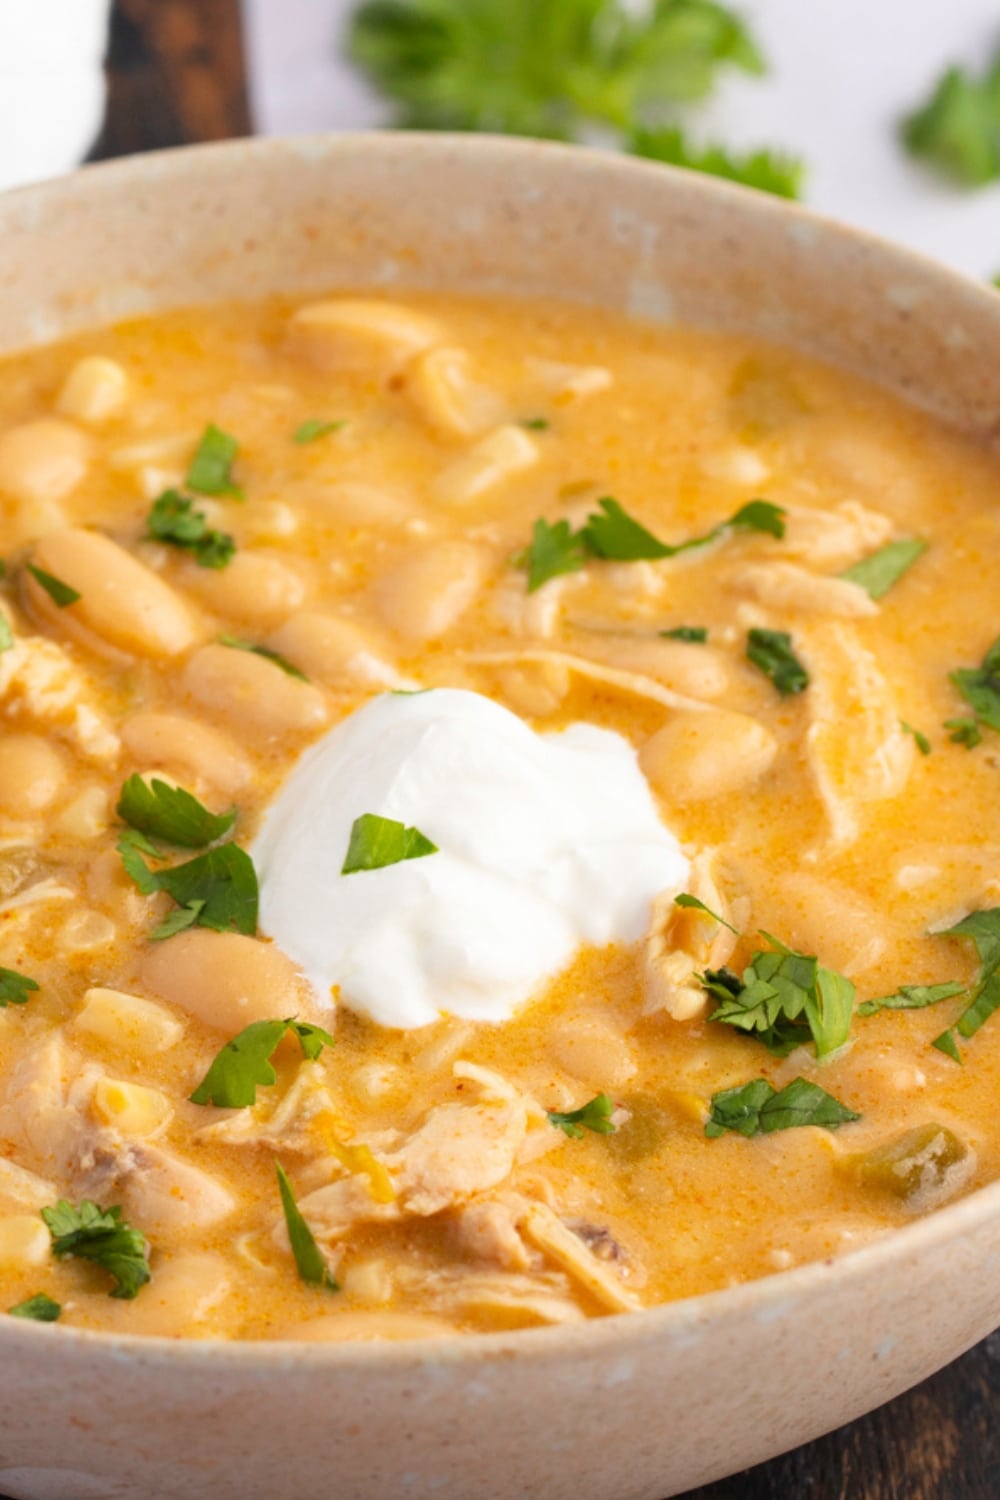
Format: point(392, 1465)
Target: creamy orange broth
point(682, 428)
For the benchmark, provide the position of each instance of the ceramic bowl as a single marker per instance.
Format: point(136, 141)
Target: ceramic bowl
point(636, 1407)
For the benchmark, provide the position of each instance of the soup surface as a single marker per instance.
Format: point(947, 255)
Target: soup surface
point(228, 531)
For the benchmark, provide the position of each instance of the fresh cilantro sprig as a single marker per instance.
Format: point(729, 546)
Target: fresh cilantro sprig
point(758, 1109)
point(39, 1309)
point(211, 468)
point(309, 1259)
point(767, 171)
point(980, 687)
point(216, 889)
point(612, 535)
point(773, 653)
point(878, 573)
point(168, 812)
point(377, 842)
point(173, 519)
point(100, 1235)
point(595, 1115)
point(236, 643)
point(911, 997)
point(784, 999)
point(15, 988)
point(544, 67)
point(244, 1064)
point(983, 928)
point(958, 129)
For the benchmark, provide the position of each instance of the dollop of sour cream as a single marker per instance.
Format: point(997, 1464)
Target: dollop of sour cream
point(545, 843)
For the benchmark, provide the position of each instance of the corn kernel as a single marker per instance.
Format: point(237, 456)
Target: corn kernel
point(112, 1016)
point(130, 1107)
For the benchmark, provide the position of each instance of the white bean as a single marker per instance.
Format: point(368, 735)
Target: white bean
point(188, 749)
point(698, 756)
point(361, 333)
point(254, 589)
point(251, 693)
point(227, 980)
point(122, 602)
point(42, 461)
point(430, 588)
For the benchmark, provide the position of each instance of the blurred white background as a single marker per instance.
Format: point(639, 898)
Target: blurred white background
point(842, 73)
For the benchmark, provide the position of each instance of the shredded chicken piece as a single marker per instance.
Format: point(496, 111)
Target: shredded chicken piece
point(625, 682)
point(36, 1116)
point(534, 615)
point(541, 1227)
point(458, 1152)
point(290, 1125)
point(541, 1299)
point(20, 1188)
point(682, 940)
point(857, 750)
point(39, 679)
point(832, 540)
point(487, 1230)
point(786, 586)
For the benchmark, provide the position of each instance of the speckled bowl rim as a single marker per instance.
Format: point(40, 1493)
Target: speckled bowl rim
point(766, 1296)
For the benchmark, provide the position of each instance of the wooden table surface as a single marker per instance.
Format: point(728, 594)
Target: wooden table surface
point(177, 75)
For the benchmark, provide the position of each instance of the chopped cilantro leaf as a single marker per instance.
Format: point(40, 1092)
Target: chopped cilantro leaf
point(39, 1308)
point(244, 1063)
point(210, 472)
point(983, 927)
point(697, 635)
point(169, 812)
point(771, 650)
point(6, 634)
point(947, 1044)
point(980, 687)
point(555, 549)
point(265, 651)
point(377, 842)
point(15, 988)
point(684, 899)
point(958, 129)
point(309, 1259)
point(314, 428)
point(784, 999)
point(595, 1115)
point(964, 732)
point(174, 519)
point(217, 889)
point(757, 1109)
point(612, 533)
point(536, 424)
point(100, 1235)
point(922, 742)
point(60, 593)
point(877, 574)
point(911, 997)
point(768, 171)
